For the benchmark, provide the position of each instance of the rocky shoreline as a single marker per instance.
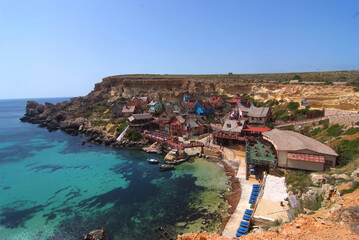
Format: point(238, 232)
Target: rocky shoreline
point(235, 195)
point(52, 117)
point(58, 117)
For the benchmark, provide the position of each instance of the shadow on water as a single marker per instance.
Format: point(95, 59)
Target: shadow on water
point(13, 218)
point(136, 210)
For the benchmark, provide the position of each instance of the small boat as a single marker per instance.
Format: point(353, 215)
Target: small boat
point(152, 160)
point(165, 167)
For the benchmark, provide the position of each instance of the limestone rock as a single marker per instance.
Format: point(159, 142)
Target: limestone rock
point(355, 174)
point(98, 234)
point(343, 176)
point(319, 179)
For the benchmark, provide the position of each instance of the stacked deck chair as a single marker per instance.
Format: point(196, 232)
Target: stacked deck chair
point(255, 192)
point(253, 170)
point(244, 225)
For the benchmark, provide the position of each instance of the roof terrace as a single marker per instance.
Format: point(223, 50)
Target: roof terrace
point(260, 154)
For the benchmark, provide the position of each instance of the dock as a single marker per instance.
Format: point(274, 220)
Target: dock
point(164, 234)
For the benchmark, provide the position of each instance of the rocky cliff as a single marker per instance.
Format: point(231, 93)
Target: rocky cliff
point(173, 87)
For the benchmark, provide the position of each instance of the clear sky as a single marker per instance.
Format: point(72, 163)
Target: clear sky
point(62, 48)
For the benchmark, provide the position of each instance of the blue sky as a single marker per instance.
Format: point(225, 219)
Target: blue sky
point(62, 48)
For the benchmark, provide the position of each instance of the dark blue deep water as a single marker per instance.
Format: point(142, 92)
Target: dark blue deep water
point(51, 187)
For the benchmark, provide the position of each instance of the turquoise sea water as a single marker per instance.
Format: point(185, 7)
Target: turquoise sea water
point(52, 187)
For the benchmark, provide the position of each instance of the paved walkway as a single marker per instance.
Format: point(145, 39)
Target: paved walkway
point(246, 187)
point(232, 225)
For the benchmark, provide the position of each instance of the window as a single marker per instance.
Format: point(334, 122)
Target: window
point(228, 125)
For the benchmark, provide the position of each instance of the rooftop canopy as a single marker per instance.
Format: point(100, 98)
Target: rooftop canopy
point(292, 141)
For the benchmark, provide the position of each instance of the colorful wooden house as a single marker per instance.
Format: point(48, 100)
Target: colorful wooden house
point(128, 110)
point(164, 121)
point(177, 126)
point(217, 103)
point(155, 106)
point(204, 109)
point(190, 106)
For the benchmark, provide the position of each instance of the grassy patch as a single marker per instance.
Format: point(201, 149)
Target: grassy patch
point(133, 136)
point(347, 151)
point(335, 130)
point(101, 108)
point(315, 131)
point(354, 187)
point(98, 123)
point(299, 180)
point(315, 203)
point(351, 131)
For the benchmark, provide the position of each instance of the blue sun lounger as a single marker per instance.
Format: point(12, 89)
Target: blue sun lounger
point(247, 217)
point(244, 224)
point(248, 211)
point(240, 234)
point(242, 230)
point(255, 193)
point(252, 200)
point(256, 185)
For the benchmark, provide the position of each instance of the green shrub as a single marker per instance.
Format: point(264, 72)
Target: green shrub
point(98, 123)
point(297, 77)
point(328, 83)
point(133, 136)
point(322, 122)
point(299, 180)
point(351, 131)
point(315, 203)
point(335, 130)
point(293, 106)
point(280, 112)
point(347, 150)
point(305, 131)
point(101, 108)
point(315, 131)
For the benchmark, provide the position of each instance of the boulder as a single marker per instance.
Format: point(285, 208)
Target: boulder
point(319, 179)
point(343, 176)
point(355, 174)
point(98, 234)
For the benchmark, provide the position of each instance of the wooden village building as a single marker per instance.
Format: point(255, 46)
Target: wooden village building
point(259, 115)
point(217, 103)
point(140, 122)
point(230, 134)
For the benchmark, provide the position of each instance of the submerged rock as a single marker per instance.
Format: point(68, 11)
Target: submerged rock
point(98, 234)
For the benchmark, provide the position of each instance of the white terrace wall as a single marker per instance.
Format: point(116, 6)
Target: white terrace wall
point(344, 119)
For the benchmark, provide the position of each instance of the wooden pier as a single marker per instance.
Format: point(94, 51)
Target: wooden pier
point(164, 234)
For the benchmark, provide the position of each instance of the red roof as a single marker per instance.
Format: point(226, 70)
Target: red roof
point(214, 99)
point(207, 106)
point(306, 157)
point(202, 127)
point(190, 104)
point(256, 129)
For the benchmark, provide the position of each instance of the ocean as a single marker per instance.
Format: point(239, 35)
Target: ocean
point(52, 187)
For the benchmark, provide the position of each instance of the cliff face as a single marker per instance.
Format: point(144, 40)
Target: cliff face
point(171, 88)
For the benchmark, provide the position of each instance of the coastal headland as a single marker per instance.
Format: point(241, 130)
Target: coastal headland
point(123, 102)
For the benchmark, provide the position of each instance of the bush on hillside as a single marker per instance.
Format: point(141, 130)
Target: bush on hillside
point(347, 150)
point(293, 106)
point(335, 130)
point(133, 136)
point(351, 131)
